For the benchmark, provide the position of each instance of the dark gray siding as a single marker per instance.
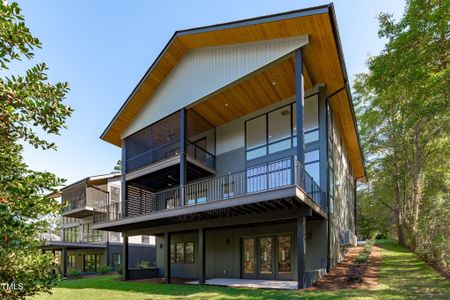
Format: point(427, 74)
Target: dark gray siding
point(137, 253)
point(229, 162)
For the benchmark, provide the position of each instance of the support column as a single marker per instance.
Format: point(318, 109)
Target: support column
point(167, 257)
point(54, 264)
point(126, 273)
point(301, 247)
point(64, 254)
point(183, 146)
point(299, 98)
point(123, 191)
point(201, 256)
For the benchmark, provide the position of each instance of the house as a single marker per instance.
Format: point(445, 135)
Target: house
point(240, 152)
point(79, 246)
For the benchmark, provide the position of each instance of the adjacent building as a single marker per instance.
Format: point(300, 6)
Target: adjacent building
point(78, 246)
point(240, 152)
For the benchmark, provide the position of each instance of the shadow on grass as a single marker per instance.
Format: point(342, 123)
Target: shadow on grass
point(403, 275)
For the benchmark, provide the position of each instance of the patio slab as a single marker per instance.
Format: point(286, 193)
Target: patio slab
point(251, 283)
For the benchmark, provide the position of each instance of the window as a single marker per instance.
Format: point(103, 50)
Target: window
point(71, 261)
point(276, 130)
point(312, 165)
point(115, 194)
point(145, 239)
point(91, 262)
point(71, 235)
point(189, 252)
point(114, 237)
point(183, 252)
point(117, 260)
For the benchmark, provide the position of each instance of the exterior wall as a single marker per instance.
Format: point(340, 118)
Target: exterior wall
point(223, 249)
point(137, 253)
point(342, 199)
point(203, 71)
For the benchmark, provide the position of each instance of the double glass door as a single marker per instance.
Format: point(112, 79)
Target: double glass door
point(267, 257)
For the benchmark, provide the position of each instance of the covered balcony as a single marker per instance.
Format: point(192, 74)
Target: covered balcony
point(154, 154)
point(81, 199)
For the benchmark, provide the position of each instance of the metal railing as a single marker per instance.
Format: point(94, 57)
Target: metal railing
point(112, 211)
point(265, 177)
point(201, 155)
point(90, 237)
point(153, 155)
point(73, 204)
point(170, 150)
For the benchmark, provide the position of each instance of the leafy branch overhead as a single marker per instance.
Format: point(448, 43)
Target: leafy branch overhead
point(27, 102)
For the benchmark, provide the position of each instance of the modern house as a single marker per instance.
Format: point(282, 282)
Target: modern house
point(240, 152)
point(79, 246)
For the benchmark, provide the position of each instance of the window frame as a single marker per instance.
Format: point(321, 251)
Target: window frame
point(292, 136)
point(174, 253)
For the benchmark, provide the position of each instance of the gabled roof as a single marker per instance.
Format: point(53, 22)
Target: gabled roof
point(92, 179)
point(323, 58)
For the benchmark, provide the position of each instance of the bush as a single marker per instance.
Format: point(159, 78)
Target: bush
point(104, 269)
point(73, 273)
point(143, 264)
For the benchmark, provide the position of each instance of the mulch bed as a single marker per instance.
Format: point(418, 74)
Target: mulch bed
point(337, 278)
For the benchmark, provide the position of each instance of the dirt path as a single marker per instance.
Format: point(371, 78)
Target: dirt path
point(336, 279)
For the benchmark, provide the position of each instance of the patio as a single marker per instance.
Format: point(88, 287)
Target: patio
point(251, 283)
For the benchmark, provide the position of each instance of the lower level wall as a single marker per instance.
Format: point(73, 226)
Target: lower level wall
point(223, 249)
point(137, 253)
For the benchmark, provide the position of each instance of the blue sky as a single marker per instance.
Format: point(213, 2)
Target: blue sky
point(103, 48)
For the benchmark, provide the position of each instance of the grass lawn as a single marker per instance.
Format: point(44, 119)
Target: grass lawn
point(403, 275)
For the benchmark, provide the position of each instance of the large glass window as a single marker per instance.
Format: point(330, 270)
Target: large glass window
point(183, 252)
point(312, 165)
point(91, 262)
point(276, 130)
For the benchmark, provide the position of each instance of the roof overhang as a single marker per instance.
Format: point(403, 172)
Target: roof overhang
point(323, 59)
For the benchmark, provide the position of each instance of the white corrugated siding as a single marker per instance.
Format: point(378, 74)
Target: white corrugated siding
point(203, 71)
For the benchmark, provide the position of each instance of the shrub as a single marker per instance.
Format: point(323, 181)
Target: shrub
point(73, 273)
point(104, 269)
point(143, 264)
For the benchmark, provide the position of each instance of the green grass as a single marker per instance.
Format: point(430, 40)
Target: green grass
point(403, 276)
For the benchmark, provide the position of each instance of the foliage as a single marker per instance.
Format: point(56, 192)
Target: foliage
point(143, 264)
point(73, 273)
point(28, 104)
point(403, 111)
point(118, 166)
point(105, 269)
point(403, 276)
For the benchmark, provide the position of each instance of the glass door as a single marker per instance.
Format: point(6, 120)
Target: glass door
point(266, 258)
point(284, 257)
point(248, 258)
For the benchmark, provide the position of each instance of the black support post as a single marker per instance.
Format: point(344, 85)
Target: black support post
point(126, 273)
point(301, 247)
point(201, 256)
point(64, 250)
point(183, 146)
point(299, 98)
point(123, 181)
point(167, 257)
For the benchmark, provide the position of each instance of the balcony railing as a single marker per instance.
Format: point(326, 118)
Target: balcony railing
point(265, 177)
point(170, 150)
point(74, 204)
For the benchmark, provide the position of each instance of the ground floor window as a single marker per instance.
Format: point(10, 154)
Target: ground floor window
point(117, 260)
point(182, 253)
point(71, 261)
point(91, 262)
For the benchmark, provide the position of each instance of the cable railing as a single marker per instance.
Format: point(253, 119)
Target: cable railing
point(264, 177)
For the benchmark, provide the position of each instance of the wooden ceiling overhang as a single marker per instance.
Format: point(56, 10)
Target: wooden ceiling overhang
point(323, 61)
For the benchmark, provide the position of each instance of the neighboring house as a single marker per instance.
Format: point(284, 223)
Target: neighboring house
point(240, 151)
point(83, 248)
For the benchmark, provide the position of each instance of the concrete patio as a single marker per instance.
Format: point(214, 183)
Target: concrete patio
point(251, 283)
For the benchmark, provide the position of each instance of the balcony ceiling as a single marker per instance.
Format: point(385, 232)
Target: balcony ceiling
point(323, 62)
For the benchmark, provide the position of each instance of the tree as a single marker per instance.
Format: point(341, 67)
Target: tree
point(28, 104)
point(118, 166)
point(403, 109)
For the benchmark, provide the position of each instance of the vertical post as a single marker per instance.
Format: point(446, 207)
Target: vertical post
point(123, 193)
point(183, 141)
point(126, 273)
point(201, 256)
point(299, 98)
point(323, 142)
point(167, 257)
point(64, 250)
point(301, 276)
